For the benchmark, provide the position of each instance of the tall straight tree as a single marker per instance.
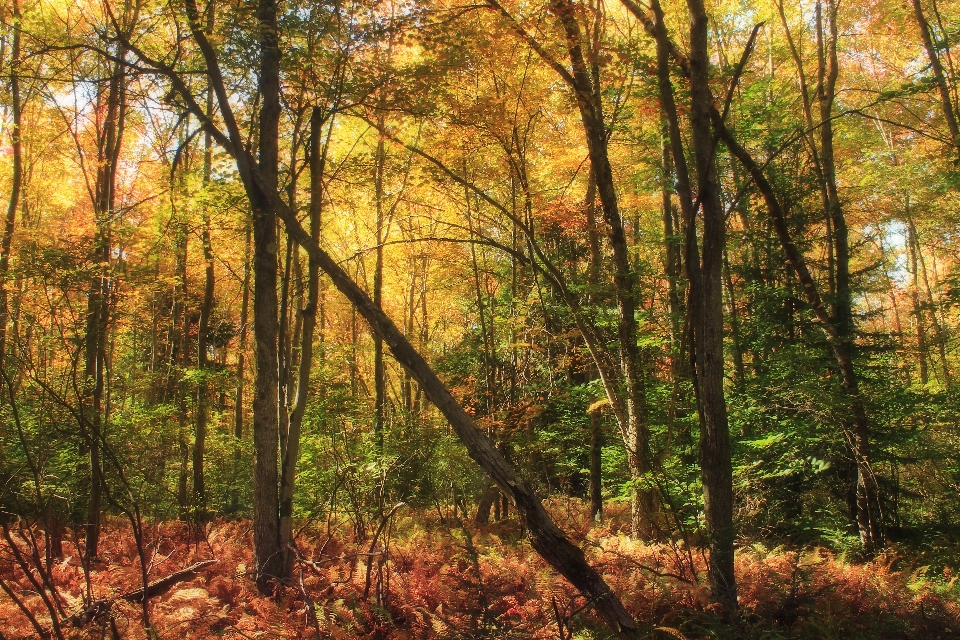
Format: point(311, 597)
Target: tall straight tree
point(203, 330)
point(704, 272)
point(268, 556)
point(16, 181)
point(716, 465)
point(111, 102)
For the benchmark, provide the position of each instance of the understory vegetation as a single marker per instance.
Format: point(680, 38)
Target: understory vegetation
point(422, 318)
point(432, 575)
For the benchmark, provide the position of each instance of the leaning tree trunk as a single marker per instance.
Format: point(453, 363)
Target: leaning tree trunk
point(546, 538)
point(939, 77)
point(589, 102)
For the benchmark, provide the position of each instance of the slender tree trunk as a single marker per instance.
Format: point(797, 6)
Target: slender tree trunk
point(179, 361)
point(738, 370)
point(689, 255)
point(239, 404)
point(868, 505)
point(596, 465)
point(108, 151)
point(596, 298)
point(203, 330)
point(589, 102)
point(912, 268)
point(946, 103)
point(309, 313)
point(931, 309)
point(379, 370)
point(16, 180)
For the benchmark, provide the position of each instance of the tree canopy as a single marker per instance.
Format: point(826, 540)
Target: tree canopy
point(303, 262)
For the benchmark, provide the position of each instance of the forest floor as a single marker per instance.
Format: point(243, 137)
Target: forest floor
point(427, 577)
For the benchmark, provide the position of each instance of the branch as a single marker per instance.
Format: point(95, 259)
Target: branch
point(565, 75)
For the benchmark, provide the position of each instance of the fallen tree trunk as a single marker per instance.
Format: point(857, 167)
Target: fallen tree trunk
point(99, 609)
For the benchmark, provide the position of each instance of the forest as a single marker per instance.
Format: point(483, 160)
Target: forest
point(400, 319)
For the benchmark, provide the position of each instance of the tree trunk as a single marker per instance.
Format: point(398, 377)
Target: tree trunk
point(238, 407)
point(379, 370)
point(589, 102)
point(206, 308)
point(949, 113)
point(292, 453)
point(179, 361)
point(868, 505)
point(913, 248)
point(16, 179)
point(108, 151)
point(268, 561)
point(596, 465)
point(715, 457)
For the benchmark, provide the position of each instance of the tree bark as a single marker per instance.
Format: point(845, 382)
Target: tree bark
point(379, 370)
point(913, 248)
point(715, 457)
point(268, 559)
point(109, 140)
point(596, 465)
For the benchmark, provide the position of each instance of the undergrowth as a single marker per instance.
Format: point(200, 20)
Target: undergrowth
point(441, 578)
